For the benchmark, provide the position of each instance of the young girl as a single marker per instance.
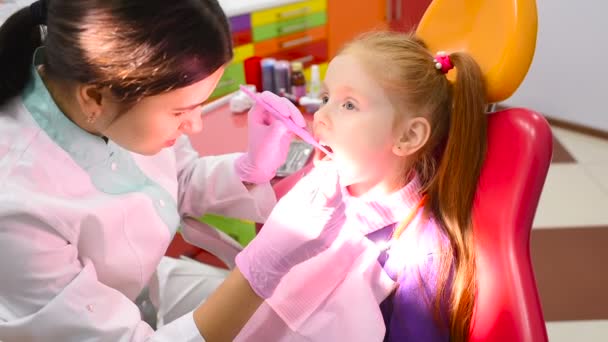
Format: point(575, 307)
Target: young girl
point(408, 146)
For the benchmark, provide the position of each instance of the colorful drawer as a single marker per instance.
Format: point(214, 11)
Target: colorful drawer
point(240, 23)
point(242, 37)
point(240, 26)
point(281, 28)
point(234, 75)
point(242, 52)
point(271, 46)
point(287, 12)
point(308, 54)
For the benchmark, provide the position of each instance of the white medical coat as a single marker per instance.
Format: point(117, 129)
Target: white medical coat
point(84, 224)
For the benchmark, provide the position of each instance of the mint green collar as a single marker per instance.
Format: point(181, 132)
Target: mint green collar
point(111, 168)
point(85, 148)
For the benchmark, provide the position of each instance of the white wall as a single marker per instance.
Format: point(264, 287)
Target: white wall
point(568, 79)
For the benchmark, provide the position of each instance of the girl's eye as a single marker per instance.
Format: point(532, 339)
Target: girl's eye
point(349, 106)
point(324, 99)
point(178, 114)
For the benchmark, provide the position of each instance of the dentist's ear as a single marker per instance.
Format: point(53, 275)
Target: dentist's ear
point(412, 136)
point(98, 104)
point(91, 101)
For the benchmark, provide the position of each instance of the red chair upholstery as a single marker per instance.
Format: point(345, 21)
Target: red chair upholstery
point(501, 36)
point(519, 153)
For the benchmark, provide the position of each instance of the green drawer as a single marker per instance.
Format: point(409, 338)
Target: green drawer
point(233, 77)
point(289, 26)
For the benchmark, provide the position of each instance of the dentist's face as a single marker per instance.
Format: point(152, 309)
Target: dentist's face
point(157, 121)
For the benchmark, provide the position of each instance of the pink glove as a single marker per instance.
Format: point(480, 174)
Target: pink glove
point(269, 139)
point(304, 223)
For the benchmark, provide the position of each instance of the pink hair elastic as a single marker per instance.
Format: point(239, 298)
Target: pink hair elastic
point(442, 62)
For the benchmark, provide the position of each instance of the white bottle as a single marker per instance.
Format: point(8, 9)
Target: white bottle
point(315, 82)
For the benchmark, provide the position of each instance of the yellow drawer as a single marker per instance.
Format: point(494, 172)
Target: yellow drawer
point(287, 12)
point(243, 52)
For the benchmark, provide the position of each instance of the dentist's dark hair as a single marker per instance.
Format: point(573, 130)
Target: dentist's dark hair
point(136, 48)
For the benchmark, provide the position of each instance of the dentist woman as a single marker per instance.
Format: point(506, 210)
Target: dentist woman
point(96, 172)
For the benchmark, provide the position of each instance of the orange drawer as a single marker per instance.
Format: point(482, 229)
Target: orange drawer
point(242, 37)
point(308, 54)
point(274, 45)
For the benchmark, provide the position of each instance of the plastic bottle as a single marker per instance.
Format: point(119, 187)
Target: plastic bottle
point(298, 81)
point(281, 76)
point(268, 74)
point(315, 82)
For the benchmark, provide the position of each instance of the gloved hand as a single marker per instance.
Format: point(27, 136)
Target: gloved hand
point(304, 223)
point(269, 139)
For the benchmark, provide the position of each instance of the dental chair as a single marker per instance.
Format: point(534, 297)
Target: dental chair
point(501, 36)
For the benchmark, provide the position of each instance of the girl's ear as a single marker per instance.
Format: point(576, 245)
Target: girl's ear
point(412, 136)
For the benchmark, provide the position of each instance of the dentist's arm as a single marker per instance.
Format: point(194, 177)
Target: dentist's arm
point(217, 320)
point(304, 223)
point(237, 185)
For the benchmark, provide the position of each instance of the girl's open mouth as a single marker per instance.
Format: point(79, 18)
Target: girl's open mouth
point(320, 155)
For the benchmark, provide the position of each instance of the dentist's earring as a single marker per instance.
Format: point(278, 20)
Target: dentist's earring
point(91, 118)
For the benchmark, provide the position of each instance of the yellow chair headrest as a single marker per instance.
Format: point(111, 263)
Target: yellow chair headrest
point(499, 34)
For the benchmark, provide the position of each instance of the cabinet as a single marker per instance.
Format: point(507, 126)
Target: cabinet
point(295, 32)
